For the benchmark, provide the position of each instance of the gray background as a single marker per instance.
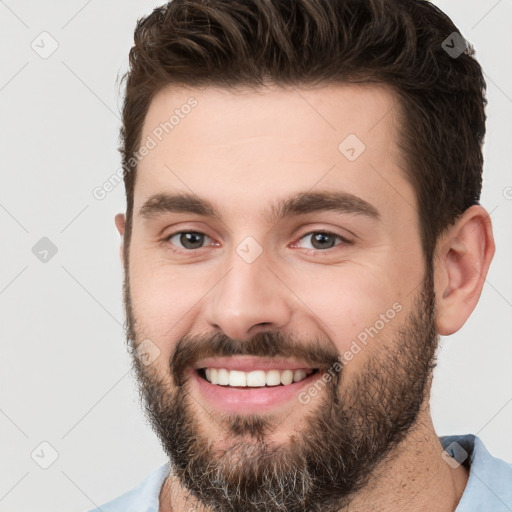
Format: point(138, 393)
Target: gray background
point(65, 373)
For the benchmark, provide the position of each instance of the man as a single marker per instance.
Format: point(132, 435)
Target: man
point(303, 222)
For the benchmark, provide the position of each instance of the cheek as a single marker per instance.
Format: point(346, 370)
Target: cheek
point(162, 295)
point(352, 305)
point(163, 300)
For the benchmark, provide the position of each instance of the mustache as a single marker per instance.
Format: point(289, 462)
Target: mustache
point(190, 349)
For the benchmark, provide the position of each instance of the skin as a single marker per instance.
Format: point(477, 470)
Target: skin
point(244, 150)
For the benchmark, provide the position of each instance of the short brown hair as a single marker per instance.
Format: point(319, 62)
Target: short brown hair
point(311, 42)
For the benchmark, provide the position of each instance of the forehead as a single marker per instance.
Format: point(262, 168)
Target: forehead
point(240, 147)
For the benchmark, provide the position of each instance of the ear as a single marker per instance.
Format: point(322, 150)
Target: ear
point(463, 256)
point(120, 221)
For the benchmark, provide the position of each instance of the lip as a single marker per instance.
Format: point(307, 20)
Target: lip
point(249, 400)
point(251, 363)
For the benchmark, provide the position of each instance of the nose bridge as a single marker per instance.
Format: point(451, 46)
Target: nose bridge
point(249, 295)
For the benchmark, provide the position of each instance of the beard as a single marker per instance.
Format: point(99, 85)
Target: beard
point(354, 425)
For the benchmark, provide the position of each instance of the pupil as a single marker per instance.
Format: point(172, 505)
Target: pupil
point(319, 237)
point(188, 238)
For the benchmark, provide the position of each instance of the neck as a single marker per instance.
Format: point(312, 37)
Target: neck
point(413, 477)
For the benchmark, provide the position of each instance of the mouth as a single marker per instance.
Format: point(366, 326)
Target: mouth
point(252, 386)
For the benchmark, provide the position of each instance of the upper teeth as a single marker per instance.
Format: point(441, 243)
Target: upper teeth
point(257, 378)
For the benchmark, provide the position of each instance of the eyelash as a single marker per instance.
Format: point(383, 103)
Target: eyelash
point(308, 251)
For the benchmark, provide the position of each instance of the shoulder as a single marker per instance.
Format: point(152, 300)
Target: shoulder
point(489, 485)
point(143, 498)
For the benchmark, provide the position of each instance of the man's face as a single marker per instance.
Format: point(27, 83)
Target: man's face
point(337, 297)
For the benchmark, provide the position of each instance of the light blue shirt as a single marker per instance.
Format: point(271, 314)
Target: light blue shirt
point(489, 487)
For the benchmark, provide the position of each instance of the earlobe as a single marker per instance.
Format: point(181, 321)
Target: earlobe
point(463, 258)
point(120, 221)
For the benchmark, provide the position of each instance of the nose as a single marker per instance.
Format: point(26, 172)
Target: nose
point(249, 299)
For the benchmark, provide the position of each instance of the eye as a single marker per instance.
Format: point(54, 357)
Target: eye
point(322, 240)
point(189, 240)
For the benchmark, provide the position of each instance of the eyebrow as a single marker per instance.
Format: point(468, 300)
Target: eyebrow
point(298, 204)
